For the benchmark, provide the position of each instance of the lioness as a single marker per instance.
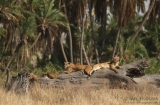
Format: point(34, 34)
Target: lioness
point(70, 67)
point(49, 75)
point(33, 77)
point(113, 65)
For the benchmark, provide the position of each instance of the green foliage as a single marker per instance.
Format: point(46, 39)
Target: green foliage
point(154, 66)
point(32, 17)
point(132, 51)
point(3, 32)
point(52, 65)
point(49, 67)
point(28, 26)
point(47, 15)
point(52, 68)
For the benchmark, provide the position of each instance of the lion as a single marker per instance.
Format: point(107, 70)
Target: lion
point(113, 64)
point(49, 75)
point(33, 77)
point(70, 67)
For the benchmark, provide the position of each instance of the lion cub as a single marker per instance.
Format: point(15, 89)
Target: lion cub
point(113, 65)
point(70, 67)
point(49, 75)
point(33, 77)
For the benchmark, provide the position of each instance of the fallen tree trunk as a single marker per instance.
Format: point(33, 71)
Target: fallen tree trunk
point(103, 77)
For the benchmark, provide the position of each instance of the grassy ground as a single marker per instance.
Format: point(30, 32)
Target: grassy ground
point(46, 95)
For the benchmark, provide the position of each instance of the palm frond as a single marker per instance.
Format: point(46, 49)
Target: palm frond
point(28, 26)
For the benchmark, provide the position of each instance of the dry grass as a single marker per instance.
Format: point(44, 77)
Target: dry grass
point(47, 95)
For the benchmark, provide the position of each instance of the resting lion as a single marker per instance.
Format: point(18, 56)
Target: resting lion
point(33, 77)
point(70, 67)
point(113, 65)
point(49, 75)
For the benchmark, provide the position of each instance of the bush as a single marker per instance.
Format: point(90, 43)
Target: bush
point(154, 66)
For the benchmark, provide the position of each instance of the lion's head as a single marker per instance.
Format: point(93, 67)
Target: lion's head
point(68, 64)
point(116, 59)
point(33, 77)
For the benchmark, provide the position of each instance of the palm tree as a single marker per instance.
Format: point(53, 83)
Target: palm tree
point(69, 33)
point(155, 13)
point(144, 19)
point(93, 35)
point(75, 12)
point(10, 15)
point(62, 47)
point(27, 32)
point(100, 8)
point(48, 20)
point(126, 10)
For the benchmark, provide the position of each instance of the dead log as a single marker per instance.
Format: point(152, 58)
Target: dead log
point(19, 84)
point(149, 79)
point(101, 77)
point(105, 77)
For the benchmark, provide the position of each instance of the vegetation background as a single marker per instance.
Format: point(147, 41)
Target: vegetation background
point(40, 35)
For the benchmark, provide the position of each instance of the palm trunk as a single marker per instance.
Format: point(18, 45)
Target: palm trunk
point(34, 43)
point(13, 56)
point(9, 63)
point(84, 51)
point(8, 79)
point(144, 20)
point(93, 36)
point(70, 35)
point(63, 52)
point(103, 26)
point(115, 46)
point(81, 43)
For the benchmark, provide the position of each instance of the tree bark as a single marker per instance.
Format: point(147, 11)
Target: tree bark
point(81, 43)
point(20, 83)
point(85, 55)
point(63, 52)
point(143, 21)
point(116, 43)
point(82, 48)
point(70, 35)
point(103, 24)
point(93, 35)
point(34, 43)
point(8, 78)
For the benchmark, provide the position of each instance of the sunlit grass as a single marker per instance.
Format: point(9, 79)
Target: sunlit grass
point(48, 95)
